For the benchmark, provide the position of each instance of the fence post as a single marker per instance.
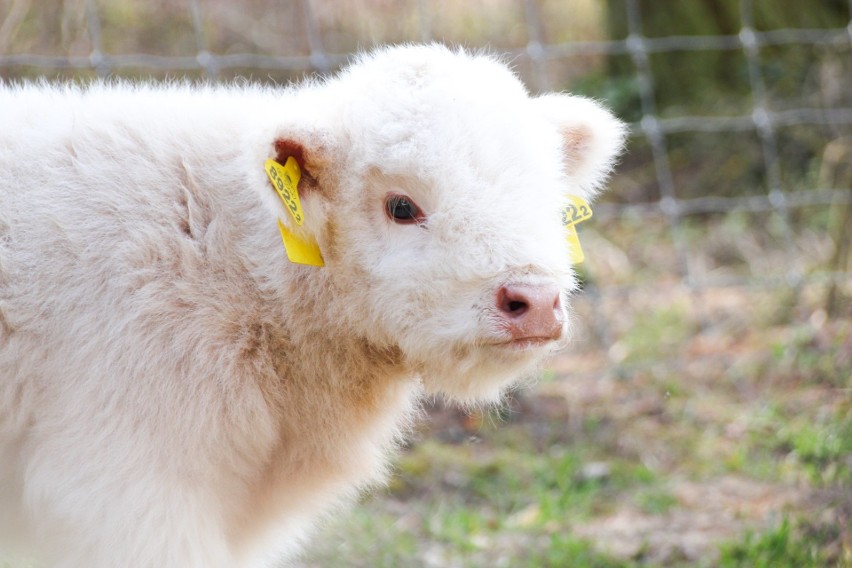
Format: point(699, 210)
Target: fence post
point(836, 173)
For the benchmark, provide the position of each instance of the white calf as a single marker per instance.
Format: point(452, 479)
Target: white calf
point(174, 392)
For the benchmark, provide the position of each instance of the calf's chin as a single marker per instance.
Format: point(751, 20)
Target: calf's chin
point(471, 375)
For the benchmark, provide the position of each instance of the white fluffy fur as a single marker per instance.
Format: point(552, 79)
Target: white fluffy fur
point(175, 393)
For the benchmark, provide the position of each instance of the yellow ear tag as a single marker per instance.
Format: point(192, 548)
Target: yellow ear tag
point(573, 214)
point(575, 250)
point(285, 180)
point(298, 250)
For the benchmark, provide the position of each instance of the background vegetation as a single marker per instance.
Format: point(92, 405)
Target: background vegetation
point(703, 415)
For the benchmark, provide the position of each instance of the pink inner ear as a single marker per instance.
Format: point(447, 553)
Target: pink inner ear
point(576, 141)
point(285, 148)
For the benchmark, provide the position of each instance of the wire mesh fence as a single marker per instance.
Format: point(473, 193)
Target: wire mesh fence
point(673, 231)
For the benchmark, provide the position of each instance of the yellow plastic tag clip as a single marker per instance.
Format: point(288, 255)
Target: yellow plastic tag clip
point(285, 180)
point(573, 214)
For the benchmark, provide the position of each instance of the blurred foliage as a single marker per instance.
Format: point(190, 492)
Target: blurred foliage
point(716, 83)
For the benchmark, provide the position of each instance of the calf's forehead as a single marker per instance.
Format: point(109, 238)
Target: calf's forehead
point(449, 143)
point(423, 109)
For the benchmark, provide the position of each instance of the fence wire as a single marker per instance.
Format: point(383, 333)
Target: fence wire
point(655, 130)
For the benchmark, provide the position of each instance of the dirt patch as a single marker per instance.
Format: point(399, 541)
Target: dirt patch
point(707, 514)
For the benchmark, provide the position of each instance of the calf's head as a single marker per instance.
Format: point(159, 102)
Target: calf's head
point(433, 185)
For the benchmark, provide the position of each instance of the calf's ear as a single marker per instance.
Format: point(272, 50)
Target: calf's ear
point(312, 156)
point(299, 192)
point(592, 138)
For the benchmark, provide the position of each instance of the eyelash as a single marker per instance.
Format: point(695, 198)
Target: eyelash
point(402, 210)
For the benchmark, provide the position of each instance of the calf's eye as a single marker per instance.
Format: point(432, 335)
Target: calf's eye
point(402, 209)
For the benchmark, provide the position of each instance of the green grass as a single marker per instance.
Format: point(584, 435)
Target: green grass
point(655, 501)
point(657, 334)
point(782, 547)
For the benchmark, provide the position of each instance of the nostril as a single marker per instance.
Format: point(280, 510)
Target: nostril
point(512, 301)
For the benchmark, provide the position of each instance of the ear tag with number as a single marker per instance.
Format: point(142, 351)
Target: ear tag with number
point(285, 180)
point(577, 211)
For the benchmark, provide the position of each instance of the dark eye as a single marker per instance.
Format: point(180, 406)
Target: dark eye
point(401, 209)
